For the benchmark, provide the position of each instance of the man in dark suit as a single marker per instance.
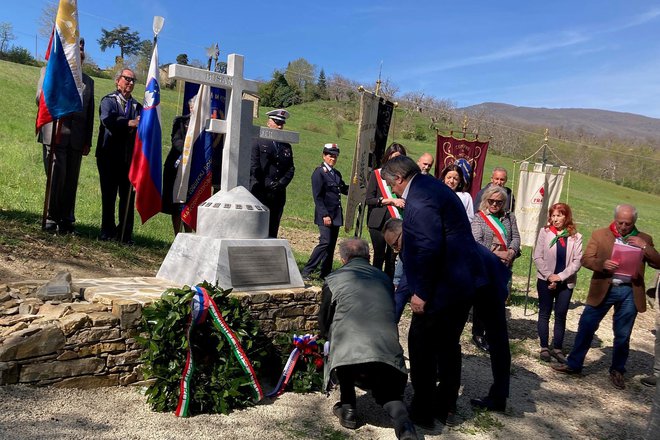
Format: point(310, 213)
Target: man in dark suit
point(498, 178)
point(271, 171)
point(327, 188)
point(119, 114)
point(73, 142)
point(609, 287)
point(443, 269)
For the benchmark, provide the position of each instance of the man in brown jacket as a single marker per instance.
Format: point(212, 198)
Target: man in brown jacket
point(611, 288)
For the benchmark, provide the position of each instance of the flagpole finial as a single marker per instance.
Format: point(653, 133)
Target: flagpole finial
point(158, 24)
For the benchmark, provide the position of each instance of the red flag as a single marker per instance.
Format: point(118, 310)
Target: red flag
point(449, 150)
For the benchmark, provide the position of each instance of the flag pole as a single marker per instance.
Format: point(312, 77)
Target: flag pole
point(55, 133)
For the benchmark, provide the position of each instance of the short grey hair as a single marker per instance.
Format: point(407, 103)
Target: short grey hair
point(490, 192)
point(393, 225)
point(353, 248)
point(401, 166)
point(626, 206)
point(120, 71)
point(499, 169)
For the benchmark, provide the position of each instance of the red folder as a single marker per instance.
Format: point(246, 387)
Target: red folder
point(628, 257)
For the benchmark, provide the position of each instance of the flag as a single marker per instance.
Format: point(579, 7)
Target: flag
point(146, 166)
point(193, 179)
point(450, 149)
point(539, 188)
point(62, 88)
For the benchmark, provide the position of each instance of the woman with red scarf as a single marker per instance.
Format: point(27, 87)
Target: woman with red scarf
point(557, 258)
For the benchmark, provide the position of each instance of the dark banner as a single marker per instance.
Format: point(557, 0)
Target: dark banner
point(385, 110)
point(449, 150)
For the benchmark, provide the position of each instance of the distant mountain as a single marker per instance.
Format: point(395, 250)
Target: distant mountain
point(590, 121)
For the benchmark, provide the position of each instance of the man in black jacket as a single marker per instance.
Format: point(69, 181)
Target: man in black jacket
point(119, 114)
point(271, 171)
point(327, 187)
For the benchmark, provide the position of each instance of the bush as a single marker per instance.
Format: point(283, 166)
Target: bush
point(19, 55)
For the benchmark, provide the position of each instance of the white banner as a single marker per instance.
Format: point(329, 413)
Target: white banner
point(364, 145)
point(538, 189)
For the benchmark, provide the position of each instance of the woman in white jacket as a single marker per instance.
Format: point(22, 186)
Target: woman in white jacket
point(557, 258)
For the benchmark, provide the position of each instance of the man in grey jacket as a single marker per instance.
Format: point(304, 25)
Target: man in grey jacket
point(357, 318)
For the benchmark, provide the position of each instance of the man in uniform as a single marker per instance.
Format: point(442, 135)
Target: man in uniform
point(327, 187)
point(271, 171)
point(73, 142)
point(119, 115)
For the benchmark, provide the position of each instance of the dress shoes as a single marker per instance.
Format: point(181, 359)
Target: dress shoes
point(489, 403)
point(423, 421)
point(649, 381)
point(407, 431)
point(104, 236)
point(564, 368)
point(448, 419)
point(617, 380)
point(51, 227)
point(347, 415)
point(481, 343)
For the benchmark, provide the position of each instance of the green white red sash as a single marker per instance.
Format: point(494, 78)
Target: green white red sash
point(201, 304)
point(496, 226)
point(387, 193)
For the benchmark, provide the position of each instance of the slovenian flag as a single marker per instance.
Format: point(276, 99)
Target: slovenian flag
point(62, 88)
point(193, 180)
point(146, 166)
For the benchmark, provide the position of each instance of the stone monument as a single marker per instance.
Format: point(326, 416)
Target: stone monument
point(231, 244)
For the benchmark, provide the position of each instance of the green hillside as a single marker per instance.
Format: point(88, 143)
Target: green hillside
point(22, 178)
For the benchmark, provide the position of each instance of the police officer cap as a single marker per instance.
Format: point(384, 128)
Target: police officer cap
point(279, 115)
point(331, 149)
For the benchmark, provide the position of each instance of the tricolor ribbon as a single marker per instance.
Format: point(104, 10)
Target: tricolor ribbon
point(201, 304)
point(618, 235)
point(303, 346)
point(496, 226)
point(559, 236)
point(387, 193)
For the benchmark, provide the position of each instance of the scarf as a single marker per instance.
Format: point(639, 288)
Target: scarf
point(618, 235)
point(559, 236)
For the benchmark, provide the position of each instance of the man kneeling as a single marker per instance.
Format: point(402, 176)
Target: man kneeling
point(357, 317)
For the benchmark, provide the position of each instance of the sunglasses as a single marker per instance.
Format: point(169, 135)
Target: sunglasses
point(128, 79)
point(495, 202)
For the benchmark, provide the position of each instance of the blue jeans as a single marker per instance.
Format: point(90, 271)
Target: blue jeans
point(559, 299)
point(625, 312)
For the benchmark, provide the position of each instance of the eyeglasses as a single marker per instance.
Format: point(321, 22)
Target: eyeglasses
point(495, 202)
point(129, 79)
point(396, 244)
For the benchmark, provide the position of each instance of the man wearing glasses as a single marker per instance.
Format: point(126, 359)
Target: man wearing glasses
point(119, 115)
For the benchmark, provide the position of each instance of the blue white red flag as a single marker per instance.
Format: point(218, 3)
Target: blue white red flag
point(146, 167)
point(62, 88)
point(193, 180)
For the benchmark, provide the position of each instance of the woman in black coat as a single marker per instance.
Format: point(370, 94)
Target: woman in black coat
point(381, 206)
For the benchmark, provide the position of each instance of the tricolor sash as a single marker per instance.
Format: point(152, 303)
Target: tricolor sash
point(201, 304)
point(497, 227)
point(387, 193)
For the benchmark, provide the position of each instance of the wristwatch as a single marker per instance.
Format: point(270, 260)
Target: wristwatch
point(380, 201)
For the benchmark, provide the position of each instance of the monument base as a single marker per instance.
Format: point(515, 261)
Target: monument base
point(242, 264)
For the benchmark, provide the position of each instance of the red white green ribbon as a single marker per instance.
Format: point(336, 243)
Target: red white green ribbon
point(496, 226)
point(201, 304)
point(387, 193)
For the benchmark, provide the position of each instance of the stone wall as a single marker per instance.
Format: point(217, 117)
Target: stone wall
point(89, 341)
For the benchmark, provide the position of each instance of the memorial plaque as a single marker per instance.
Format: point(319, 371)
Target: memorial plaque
point(258, 265)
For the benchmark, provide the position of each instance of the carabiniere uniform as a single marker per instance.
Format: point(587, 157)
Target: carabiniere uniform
point(271, 171)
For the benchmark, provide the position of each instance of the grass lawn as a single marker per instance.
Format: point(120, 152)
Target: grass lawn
point(22, 178)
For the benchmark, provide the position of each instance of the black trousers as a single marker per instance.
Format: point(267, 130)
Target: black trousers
point(382, 252)
point(64, 184)
point(492, 315)
point(323, 252)
point(113, 175)
point(275, 201)
point(385, 382)
point(435, 355)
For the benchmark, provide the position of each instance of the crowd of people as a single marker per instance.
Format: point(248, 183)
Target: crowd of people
point(434, 247)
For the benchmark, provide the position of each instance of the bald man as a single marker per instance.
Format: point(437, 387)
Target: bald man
point(425, 163)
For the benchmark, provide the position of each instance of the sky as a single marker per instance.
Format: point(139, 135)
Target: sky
point(560, 54)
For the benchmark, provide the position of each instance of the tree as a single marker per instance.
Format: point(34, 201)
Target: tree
point(278, 93)
point(299, 73)
point(143, 58)
point(322, 86)
point(46, 20)
point(129, 42)
point(182, 58)
point(6, 35)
